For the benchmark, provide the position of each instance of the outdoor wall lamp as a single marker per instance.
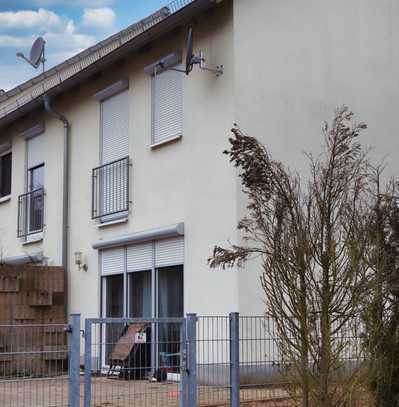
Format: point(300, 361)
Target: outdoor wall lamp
point(79, 262)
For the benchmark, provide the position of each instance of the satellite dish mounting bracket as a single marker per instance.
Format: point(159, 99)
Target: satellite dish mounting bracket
point(218, 70)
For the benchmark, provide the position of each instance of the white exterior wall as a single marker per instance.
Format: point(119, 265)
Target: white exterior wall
point(187, 181)
point(295, 62)
point(287, 64)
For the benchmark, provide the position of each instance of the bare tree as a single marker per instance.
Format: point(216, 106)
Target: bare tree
point(312, 240)
point(381, 312)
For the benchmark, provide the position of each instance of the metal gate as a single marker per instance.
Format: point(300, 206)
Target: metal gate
point(154, 357)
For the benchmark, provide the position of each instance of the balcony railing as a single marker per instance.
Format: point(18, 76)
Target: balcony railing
point(110, 189)
point(30, 213)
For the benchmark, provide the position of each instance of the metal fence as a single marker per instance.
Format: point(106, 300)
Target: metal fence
point(185, 362)
point(34, 365)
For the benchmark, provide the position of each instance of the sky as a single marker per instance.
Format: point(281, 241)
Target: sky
point(68, 26)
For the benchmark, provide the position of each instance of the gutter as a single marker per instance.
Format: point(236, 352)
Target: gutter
point(65, 192)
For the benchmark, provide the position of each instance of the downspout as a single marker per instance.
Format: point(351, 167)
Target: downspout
point(65, 194)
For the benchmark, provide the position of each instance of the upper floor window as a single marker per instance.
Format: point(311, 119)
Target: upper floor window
point(31, 203)
point(167, 105)
point(110, 186)
point(5, 174)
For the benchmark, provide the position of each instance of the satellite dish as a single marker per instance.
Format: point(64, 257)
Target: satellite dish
point(192, 59)
point(36, 52)
point(36, 56)
point(189, 54)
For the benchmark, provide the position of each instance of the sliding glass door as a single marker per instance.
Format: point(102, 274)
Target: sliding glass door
point(142, 281)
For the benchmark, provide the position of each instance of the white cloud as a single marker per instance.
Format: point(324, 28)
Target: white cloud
point(41, 19)
point(64, 38)
point(9, 41)
point(98, 18)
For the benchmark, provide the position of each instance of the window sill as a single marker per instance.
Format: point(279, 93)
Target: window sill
point(166, 141)
point(112, 222)
point(5, 199)
point(32, 240)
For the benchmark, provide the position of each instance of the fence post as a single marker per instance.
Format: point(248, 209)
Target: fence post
point(234, 359)
point(184, 366)
point(192, 360)
point(74, 361)
point(87, 379)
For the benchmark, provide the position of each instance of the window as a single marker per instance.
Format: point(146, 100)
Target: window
point(110, 181)
point(36, 177)
point(36, 183)
point(5, 174)
point(31, 203)
point(167, 106)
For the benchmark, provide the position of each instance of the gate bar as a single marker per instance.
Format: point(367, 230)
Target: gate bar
point(87, 378)
point(192, 359)
point(234, 359)
point(74, 361)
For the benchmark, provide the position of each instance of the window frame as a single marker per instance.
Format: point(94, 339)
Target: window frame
point(33, 235)
point(2, 154)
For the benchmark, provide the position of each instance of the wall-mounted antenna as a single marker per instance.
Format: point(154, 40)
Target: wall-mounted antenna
point(192, 59)
point(37, 54)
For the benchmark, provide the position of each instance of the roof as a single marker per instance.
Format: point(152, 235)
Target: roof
point(28, 96)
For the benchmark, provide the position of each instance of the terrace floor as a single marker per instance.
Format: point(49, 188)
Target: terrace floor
point(111, 392)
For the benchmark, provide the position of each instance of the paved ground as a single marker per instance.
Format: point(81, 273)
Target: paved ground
point(123, 393)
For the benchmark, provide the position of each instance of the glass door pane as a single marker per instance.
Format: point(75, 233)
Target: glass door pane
point(140, 294)
point(36, 181)
point(140, 301)
point(113, 309)
point(170, 305)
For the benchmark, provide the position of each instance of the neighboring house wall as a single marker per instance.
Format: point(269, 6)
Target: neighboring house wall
point(297, 61)
point(52, 151)
point(187, 181)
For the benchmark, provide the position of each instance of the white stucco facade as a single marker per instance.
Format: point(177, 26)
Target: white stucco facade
point(186, 181)
point(287, 65)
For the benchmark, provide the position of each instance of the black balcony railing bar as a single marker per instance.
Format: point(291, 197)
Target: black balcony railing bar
point(30, 213)
point(110, 188)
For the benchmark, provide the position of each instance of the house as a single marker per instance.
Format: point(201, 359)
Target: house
point(111, 163)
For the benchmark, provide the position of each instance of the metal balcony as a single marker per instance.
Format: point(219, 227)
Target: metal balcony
point(30, 213)
point(110, 189)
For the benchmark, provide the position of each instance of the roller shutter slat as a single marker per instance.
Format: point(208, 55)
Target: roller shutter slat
point(169, 252)
point(139, 257)
point(113, 261)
